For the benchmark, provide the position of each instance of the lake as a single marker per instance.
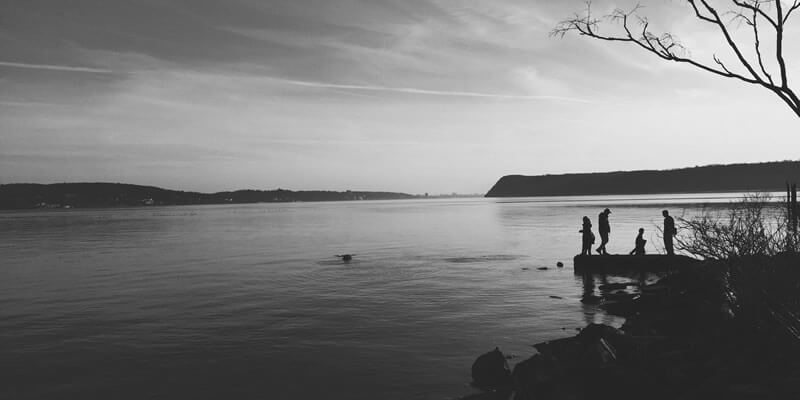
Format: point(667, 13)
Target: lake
point(250, 302)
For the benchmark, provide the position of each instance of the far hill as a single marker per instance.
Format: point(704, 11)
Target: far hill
point(81, 195)
point(770, 176)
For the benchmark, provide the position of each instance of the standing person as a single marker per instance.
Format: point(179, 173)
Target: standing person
point(640, 242)
point(669, 232)
point(587, 239)
point(605, 229)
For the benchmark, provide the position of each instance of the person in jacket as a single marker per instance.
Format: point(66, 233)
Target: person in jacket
point(669, 232)
point(587, 238)
point(605, 229)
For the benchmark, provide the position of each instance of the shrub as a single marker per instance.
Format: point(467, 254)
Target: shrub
point(754, 226)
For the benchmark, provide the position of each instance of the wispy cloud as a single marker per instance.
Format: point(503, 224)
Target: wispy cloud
point(29, 104)
point(51, 67)
point(428, 92)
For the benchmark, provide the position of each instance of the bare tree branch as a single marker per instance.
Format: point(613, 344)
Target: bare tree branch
point(755, 6)
point(791, 9)
point(751, 227)
point(667, 47)
point(699, 14)
point(754, 24)
point(779, 45)
point(731, 43)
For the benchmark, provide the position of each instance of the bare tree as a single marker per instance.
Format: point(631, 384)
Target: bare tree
point(766, 18)
point(754, 226)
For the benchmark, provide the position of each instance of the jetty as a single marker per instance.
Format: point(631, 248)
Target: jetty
point(629, 263)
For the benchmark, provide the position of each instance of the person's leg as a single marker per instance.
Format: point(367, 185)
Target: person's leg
point(604, 240)
point(668, 245)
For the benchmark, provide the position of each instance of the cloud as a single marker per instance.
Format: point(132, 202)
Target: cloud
point(30, 104)
point(51, 67)
point(537, 82)
point(429, 92)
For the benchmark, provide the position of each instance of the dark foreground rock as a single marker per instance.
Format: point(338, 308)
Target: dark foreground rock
point(491, 372)
point(688, 336)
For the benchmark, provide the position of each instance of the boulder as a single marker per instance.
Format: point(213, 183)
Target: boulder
point(490, 371)
point(535, 377)
point(606, 344)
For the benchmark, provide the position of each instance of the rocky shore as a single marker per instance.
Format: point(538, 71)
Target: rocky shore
point(714, 331)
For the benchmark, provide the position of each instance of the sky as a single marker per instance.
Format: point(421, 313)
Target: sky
point(413, 96)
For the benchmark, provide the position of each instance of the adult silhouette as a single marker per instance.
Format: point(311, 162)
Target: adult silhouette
point(587, 239)
point(669, 232)
point(604, 228)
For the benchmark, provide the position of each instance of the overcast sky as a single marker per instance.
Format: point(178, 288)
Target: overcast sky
point(415, 96)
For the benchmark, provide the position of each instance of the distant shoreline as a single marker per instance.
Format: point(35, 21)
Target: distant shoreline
point(115, 195)
point(23, 196)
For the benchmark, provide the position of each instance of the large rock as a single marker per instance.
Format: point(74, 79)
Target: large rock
point(536, 377)
point(604, 344)
point(490, 371)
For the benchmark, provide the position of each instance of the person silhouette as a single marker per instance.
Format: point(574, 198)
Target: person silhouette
point(604, 228)
point(587, 239)
point(669, 232)
point(640, 242)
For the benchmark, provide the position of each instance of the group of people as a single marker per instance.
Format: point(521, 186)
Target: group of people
point(604, 228)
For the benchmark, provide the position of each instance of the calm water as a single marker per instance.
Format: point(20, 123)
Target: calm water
point(249, 302)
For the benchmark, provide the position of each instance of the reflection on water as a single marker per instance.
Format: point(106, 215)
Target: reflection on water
point(250, 301)
point(598, 288)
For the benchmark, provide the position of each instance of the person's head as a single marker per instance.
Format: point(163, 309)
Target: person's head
point(606, 211)
point(641, 230)
point(665, 213)
point(586, 219)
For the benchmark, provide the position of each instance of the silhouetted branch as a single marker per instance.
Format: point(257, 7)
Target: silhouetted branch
point(755, 226)
point(755, 6)
point(791, 9)
point(667, 47)
point(732, 44)
point(754, 23)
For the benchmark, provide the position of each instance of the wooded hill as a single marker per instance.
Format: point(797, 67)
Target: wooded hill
point(81, 195)
point(769, 176)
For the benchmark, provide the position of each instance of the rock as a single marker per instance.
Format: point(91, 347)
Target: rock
point(607, 342)
point(501, 395)
point(598, 331)
point(556, 297)
point(591, 299)
point(613, 286)
point(659, 289)
point(600, 352)
point(620, 295)
point(490, 371)
point(535, 377)
point(621, 308)
point(542, 268)
point(560, 264)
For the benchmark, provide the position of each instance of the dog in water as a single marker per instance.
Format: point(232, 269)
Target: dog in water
point(346, 257)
